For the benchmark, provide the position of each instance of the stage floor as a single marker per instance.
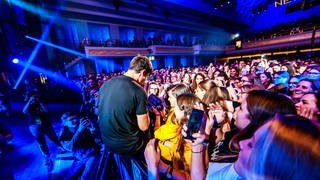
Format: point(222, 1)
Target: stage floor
point(21, 157)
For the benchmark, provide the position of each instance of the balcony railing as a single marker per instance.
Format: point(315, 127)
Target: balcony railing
point(155, 50)
point(289, 41)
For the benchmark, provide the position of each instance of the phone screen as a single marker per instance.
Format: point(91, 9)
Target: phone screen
point(194, 122)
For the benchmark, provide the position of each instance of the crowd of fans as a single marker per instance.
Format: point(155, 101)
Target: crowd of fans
point(144, 43)
point(279, 76)
point(263, 87)
point(290, 28)
point(229, 145)
point(238, 98)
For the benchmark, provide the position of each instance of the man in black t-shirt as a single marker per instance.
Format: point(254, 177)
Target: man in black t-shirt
point(123, 115)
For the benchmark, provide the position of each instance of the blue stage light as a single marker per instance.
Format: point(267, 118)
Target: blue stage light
point(38, 11)
point(15, 60)
point(55, 76)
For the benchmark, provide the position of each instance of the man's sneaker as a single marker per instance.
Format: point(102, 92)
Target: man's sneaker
point(61, 150)
point(49, 163)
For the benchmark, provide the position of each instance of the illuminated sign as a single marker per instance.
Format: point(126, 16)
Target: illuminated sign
point(238, 44)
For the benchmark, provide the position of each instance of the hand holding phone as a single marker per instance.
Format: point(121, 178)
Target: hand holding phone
point(195, 122)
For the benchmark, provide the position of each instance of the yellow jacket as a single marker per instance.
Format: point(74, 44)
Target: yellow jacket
point(169, 136)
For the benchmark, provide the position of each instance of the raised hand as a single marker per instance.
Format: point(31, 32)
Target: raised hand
point(199, 137)
point(84, 123)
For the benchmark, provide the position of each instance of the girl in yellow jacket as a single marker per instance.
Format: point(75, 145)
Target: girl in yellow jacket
point(175, 152)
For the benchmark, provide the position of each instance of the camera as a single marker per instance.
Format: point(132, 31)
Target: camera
point(154, 101)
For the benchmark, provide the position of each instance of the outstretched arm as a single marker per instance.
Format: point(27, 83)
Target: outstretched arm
point(152, 156)
point(199, 156)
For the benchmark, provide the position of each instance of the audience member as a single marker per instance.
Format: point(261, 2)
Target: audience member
point(269, 153)
point(266, 79)
point(186, 78)
point(233, 73)
point(199, 77)
point(293, 83)
point(313, 71)
point(155, 107)
point(222, 130)
point(40, 125)
point(77, 136)
point(281, 82)
point(203, 87)
point(309, 106)
point(175, 152)
point(246, 79)
point(305, 86)
point(257, 107)
point(287, 147)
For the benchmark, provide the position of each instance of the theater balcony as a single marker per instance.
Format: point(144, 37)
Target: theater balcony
point(309, 39)
point(154, 50)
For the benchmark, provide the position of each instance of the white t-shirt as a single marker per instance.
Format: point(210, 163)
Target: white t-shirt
point(223, 171)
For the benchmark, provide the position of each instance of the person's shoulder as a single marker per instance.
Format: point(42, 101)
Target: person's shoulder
point(121, 78)
point(117, 78)
point(112, 81)
point(222, 171)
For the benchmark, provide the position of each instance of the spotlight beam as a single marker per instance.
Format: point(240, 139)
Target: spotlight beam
point(56, 46)
point(40, 12)
point(30, 60)
point(59, 78)
point(33, 9)
point(32, 56)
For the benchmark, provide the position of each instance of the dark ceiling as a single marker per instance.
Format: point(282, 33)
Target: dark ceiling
point(193, 16)
point(205, 9)
point(218, 13)
point(199, 16)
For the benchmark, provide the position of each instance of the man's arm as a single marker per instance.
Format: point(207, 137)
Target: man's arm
point(143, 121)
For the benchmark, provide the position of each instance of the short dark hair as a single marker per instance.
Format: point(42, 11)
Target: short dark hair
point(139, 63)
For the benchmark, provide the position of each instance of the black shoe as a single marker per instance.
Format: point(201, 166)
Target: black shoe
point(49, 163)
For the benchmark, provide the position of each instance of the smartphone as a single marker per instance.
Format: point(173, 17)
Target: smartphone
point(194, 122)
